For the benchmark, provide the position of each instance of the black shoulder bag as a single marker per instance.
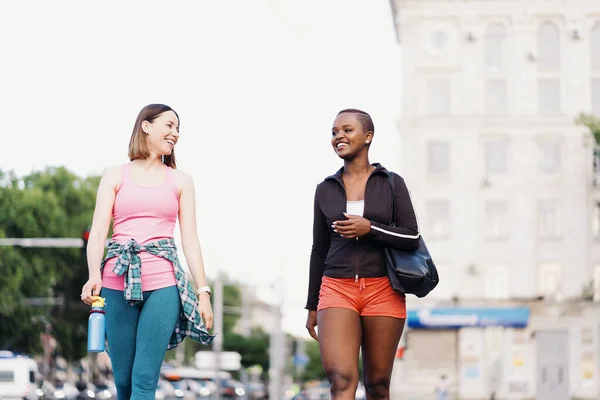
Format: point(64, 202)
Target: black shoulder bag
point(410, 272)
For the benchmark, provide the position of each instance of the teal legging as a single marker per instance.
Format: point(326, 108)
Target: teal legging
point(138, 337)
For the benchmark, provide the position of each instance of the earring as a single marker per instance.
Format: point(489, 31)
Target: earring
point(367, 142)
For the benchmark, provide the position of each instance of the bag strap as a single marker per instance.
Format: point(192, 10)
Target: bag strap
point(393, 188)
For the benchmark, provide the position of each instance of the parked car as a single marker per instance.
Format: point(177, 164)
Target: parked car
point(65, 390)
point(19, 376)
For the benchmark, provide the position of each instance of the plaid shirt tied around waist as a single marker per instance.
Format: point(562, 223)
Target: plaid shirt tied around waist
point(129, 264)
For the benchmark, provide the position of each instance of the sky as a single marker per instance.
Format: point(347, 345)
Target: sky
point(257, 85)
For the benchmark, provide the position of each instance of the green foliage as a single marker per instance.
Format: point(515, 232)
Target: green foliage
point(592, 122)
point(254, 349)
point(314, 369)
point(587, 291)
point(232, 297)
point(54, 203)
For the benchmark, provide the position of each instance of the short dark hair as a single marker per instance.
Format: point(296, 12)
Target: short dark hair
point(364, 118)
point(138, 149)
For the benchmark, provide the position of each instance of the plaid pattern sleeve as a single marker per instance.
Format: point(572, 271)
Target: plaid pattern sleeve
point(190, 322)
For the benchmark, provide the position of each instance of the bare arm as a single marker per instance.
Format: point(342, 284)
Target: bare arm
point(189, 230)
point(191, 244)
point(105, 200)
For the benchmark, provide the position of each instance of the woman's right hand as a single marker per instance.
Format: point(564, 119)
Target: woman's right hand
point(311, 323)
point(91, 288)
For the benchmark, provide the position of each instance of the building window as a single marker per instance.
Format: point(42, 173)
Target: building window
point(549, 156)
point(548, 47)
point(496, 285)
point(549, 219)
point(438, 97)
point(596, 220)
point(438, 218)
point(496, 97)
point(438, 158)
point(595, 44)
point(496, 154)
point(495, 35)
point(549, 281)
point(496, 219)
point(549, 96)
point(439, 41)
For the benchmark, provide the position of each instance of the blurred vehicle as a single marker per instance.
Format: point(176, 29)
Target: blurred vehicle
point(86, 391)
point(188, 389)
point(105, 390)
point(318, 390)
point(194, 380)
point(321, 391)
point(232, 389)
point(256, 391)
point(65, 390)
point(165, 390)
point(45, 391)
point(18, 376)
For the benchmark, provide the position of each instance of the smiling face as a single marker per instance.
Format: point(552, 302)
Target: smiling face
point(349, 138)
point(162, 133)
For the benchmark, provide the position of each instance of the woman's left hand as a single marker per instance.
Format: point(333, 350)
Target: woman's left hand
point(353, 227)
point(205, 309)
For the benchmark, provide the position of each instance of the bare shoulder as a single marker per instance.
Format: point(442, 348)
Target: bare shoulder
point(183, 179)
point(113, 175)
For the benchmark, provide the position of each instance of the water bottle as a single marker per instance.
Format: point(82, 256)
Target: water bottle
point(96, 326)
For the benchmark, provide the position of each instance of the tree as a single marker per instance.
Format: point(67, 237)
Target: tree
point(314, 369)
point(593, 124)
point(253, 349)
point(50, 203)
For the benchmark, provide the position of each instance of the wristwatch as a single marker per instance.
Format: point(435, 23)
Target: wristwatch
point(203, 289)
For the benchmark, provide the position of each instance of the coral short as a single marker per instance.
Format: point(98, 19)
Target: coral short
point(369, 297)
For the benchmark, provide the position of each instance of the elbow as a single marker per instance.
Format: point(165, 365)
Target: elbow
point(190, 247)
point(414, 243)
point(409, 242)
point(97, 239)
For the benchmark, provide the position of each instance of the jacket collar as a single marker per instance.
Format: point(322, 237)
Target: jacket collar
point(338, 175)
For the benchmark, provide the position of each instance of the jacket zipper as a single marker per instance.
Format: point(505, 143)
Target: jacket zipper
point(341, 181)
point(356, 277)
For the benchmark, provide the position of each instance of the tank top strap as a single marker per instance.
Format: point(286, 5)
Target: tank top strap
point(125, 173)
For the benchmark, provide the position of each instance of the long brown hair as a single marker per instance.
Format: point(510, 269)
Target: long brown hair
point(138, 148)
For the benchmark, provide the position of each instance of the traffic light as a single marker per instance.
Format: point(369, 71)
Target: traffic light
point(85, 236)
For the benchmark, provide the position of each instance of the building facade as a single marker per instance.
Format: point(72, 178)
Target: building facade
point(504, 185)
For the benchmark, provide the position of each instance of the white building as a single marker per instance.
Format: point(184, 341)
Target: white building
point(254, 313)
point(503, 182)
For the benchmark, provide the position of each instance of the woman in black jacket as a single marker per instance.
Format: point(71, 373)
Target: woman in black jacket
point(349, 296)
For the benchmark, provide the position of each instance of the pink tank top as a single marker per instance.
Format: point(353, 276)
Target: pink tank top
point(144, 213)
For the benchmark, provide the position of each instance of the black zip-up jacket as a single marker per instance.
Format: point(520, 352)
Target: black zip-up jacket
point(337, 257)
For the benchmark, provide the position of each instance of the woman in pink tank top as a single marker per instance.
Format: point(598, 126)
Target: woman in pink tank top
point(151, 306)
